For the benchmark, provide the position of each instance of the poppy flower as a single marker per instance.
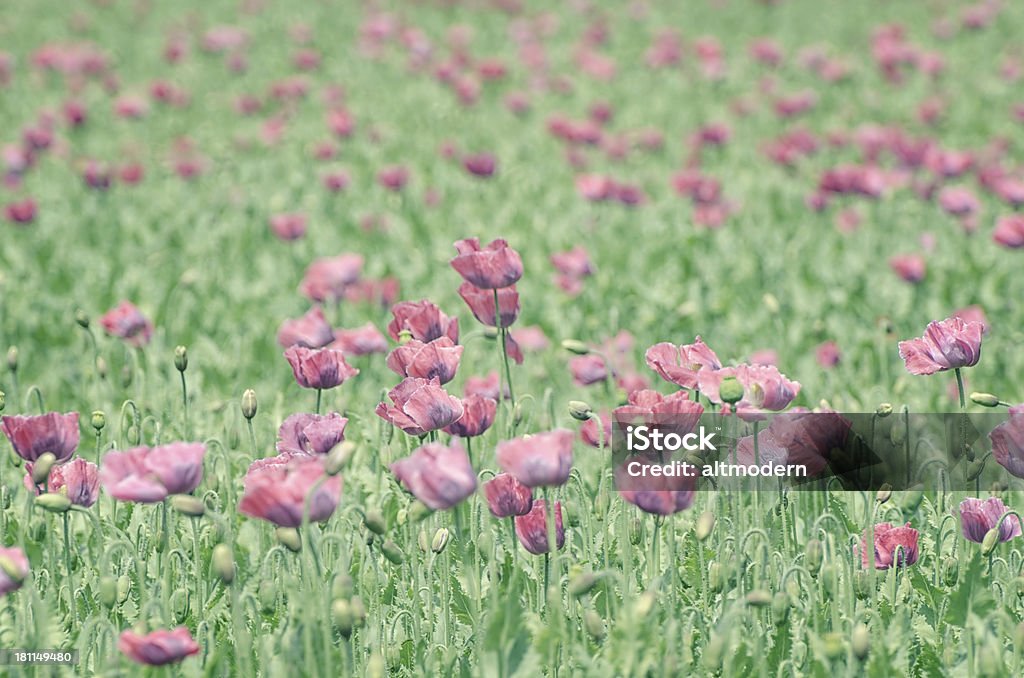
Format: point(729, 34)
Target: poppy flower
point(478, 416)
point(159, 647)
point(420, 405)
point(1008, 442)
point(328, 277)
point(532, 528)
point(125, 321)
point(439, 476)
point(438, 358)
point(78, 480)
point(680, 364)
point(150, 475)
point(492, 267)
point(978, 516)
point(946, 345)
point(362, 340)
point(277, 491)
point(13, 569)
point(311, 330)
point(288, 226)
point(311, 433)
point(319, 368)
point(894, 546)
point(540, 459)
point(507, 497)
point(423, 320)
point(32, 436)
point(481, 303)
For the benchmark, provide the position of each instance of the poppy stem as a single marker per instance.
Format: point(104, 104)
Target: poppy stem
point(71, 576)
point(503, 337)
point(184, 404)
point(319, 395)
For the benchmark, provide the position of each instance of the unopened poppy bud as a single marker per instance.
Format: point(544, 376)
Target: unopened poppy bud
point(249, 404)
point(12, 570)
point(338, 457)
point(989, 543)
point(289, 538)
point(713, 651)
point(705, 524)
point(575, 346)
point(180, 358)
point(715, 579)
point(814, 555)
point(124, 587)
point(187, 505)
point(579, 410)
point(974, 469)
point(860, 641)
point(884, 410)
point(490, 332)
point(223, 563)
point(358, 611)
point(832, 643)
point(423, 540)
point(343, 586)
point(911, 499)
point(82, 319)
point(179, 605)
point(759, 598)
point(861, 584)
point(98, 420)
point(12, 358)
point(41, 469)
point(59, 503)
point(636, 533)
point(985, 399)
point(101, 367)
point(392, 552)
point(517, 414)
point(107, 592)
point(375, 667)
point(884, 493)
point(374, 521)
point(341, 610)
point(771, 302)
point(440, 540)
point(126, 376)
point(582, 584)
point(950, 571)
point(643, 605)
point(418, 511)
point(594, 624)
point(404, 337)
point(898, 432)
point(731, 390)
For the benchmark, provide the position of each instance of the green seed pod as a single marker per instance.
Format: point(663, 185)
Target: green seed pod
point(950, 571)
point(223, 563)
point(828, 580)
point(358, 611)
point(814, 555)
point(705, 524)
point(594, 625)
point(375, 666)
point(82, 319)
point(832, 643)
point(124, 587)
point(418, 511)
point(341, 610)
point(780, 607)
point(715, 577)
point(12, 359)
point(731, 390)
point(862, 584)
point(402, 517)
point(373, 519)
point(180, 358)
point(107, 592)
point(575, 346)
point(53, 502)
point(883, 410)
point(187, 505)
point(249, 404)
point(985, 399)
point(759, 598)
point(404, 337)
point(289, 538)
point(911, 499)
point(267, 594)
point(582, 584)
point(392, 552)
point(41, 469)
point(440, 540)
point(860, 641)
point(990, 542)
point(102, 369)
point(580, 410)
point(179, 605)
point(338, 457)
point(99, 420)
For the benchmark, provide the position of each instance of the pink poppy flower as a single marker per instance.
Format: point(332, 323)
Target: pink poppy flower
point(327, 278)
point(597, 431)
point(382, 292)
point(806, 438)
point(1008, 442)
point(420, 405)
point(33, 436)
point(894, 546)
point(675, 412)
point(588, 369)
point(159, 647)
point(946, 345)
point(486, 386)
point(319, 368)
point(507, 497)
point(540, 459)
point(79, 480)
point(531, 338)
point(21, 211)
point(764, 387)
point(661, 495)
point(482, 165)
point(126, 322)
point(277, 491)
point(910, 267)
point(478, 416)
point(437, 475)
point(766, 356)
point(595, 187)
point(14, 558)
point(1009, 231)
point(423, 321)
point(394, 178)
point(978, 516)
point(680, 364)
point(288, 226)
point(150, 475)
point(493, 267)
point(359, 341)
point(973, 313)
point(336, 181)
point(532, 528)
point(827, 354)
point(311, 433)
point(311, 330)
point(958, 201)
point(438, 358)
point(481, 303)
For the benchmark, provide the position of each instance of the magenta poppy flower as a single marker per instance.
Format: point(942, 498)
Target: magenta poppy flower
point(14, 558)
point(680, 364)
point(597, 431)
point(482, 165)
point(973, 313)
point(531, 338)
point(910, 267)
point(946, 345)
point(588, 369)
point(595, 187)
point(958, 201)
point(806, 438)
point(894, 546)
point(149, 475)
point(574, 263)
point(420, 405)
point(478, 416)
point(481, 303)
point(159, 647)
point(423, 320)
point(79, 480)
point(487, 386)
point(1010, 231)
point(438, 358)
point(311, 433)
point(764, 387)
point(311, 330)
point(21, 211)
point(393, 178)
point(532, 528)
point(328, 277)
point(288, 226)
point(439, 476)
point(276, 491)
point(319, 368)
point(507, 497)
point(662, 495)
point(540, 459)
point(125, 321)
point(32, 436)
point(827, 354)
point(1008, 442)
point(674, 413)
point(492, 267)
point(978, 516)
point(362, 340)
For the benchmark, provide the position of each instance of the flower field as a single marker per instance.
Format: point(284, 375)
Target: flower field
point(330, 328)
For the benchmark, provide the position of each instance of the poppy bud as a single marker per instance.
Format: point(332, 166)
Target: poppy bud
point(375, 667)
point(12, 358)
point(582, 584)
point(82, 319)
point(343, 586)
point(832, 643)
point(985, 399)
point(990, 542)
point(643, 605)
point(99, 420)
point(884, 493)
point(440, 540)
point(188, 505)
point(59, 503)
point(392, 552)
point(267, 594)
point(341, 610)
point(223, 563)
point(860, 641)
point(731, 390)
point(814, 555)
point(974, 469)
point(12, 570)
point(898, 432)
point(517, 414)
point(990, 659)
point(107, 593)
point(575, 346)
point(3, 401)
point(179, 605)
point(594, 624)
point(884, 410)
point(289, 538)
point(636, 533)
point(423, 541)
point(41, 469)
point(579, 410)
point(374, 521)
point(101, 367)
point(950, 571)
point(759, 598)
point(337, 458)
point(124, 587)
point(780, 607)
point(715, 577)
point(490, 332)
point(829, 580)
point(358, 611)
point(712, 657)
point(402, 517)
point(861, 584)
point(771, 302)
point(249, 404)
point(180, 358)
point(911, 499)
point(705, 524)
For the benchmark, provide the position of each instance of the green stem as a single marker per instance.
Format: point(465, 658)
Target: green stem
point(503, 338)
point(67, 567)
point(319, 396)
point(184, 404)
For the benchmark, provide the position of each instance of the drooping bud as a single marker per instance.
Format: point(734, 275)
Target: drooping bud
point(517, 414)
point(343, 586)
point(53, 502)
point(985, 399)
point(862, 584)
point(715, 578)
point(341, 610)
point(418, 510)
point(102, 370)
point(832, 643)
point(990, 542)
point(249, 404)
point(759, 598)
point(579, 410)
point(338, 457)
point(883, 410)
point(950, 571)
point(99, 420)
point(223, 563)
point(713, 651)
point(705, 524)
point(374, 521)
point(375, 666)
point(594, 624)
point(267, 594)
point(731, 390)
point(423, 540)
point(187, 505)
point(884, 493)
point(12, 570)
point(107, 592)
point(814, 555)
point(582, 584)
point(490, 332)
point(180, 358)
point(179, 605)
point(780, 607)
point(358, 611)
point(124, 587)
point(643, 606)
point(12, 358)
point(41, 469)
point(392, 552)
point(440, 540)
point(575, 346)
point(82, 319)
point(289, 538)
point(975, 469)
point(860, 641)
